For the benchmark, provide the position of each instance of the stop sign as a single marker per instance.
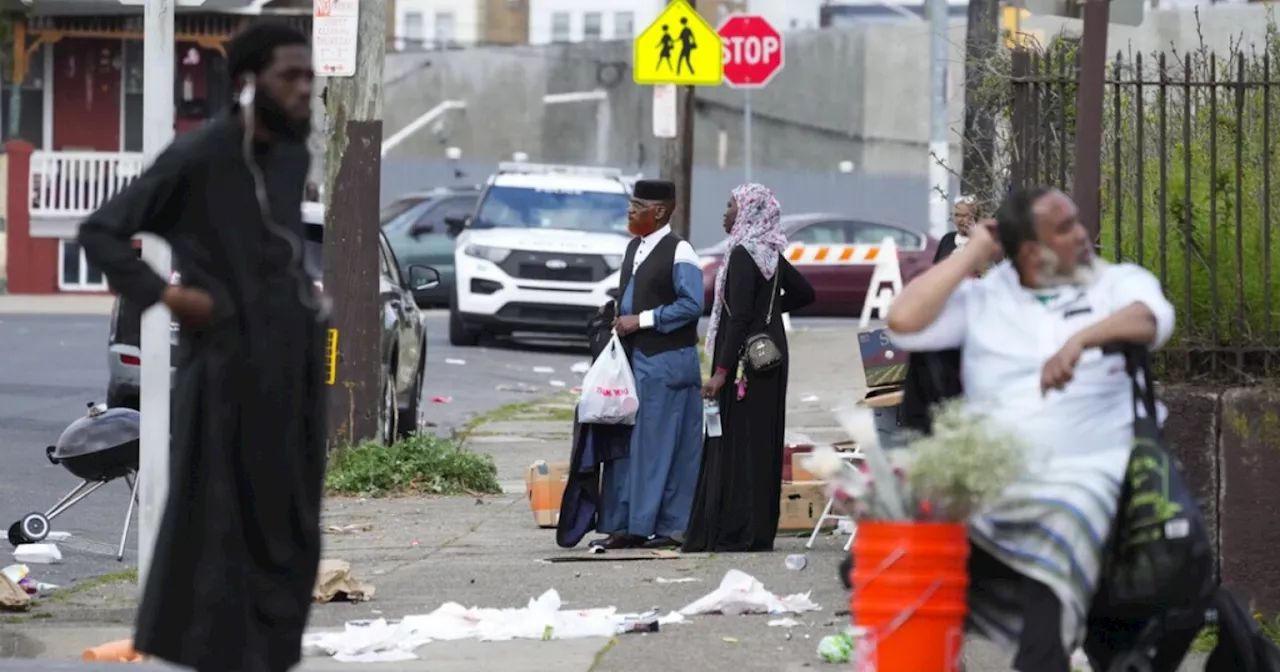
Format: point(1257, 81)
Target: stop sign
point(752, 51)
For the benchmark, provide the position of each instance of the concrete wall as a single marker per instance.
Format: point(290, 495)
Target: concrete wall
point(855, 94)
point(1228, 442)
point(847, 95)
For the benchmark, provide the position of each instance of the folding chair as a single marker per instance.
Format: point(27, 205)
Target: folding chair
point(851, 457)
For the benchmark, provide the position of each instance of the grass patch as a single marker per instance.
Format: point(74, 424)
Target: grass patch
point(123, 576)
point(1207, 640)
point(419, 465)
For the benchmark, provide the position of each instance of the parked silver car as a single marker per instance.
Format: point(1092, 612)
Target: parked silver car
point(404, 338)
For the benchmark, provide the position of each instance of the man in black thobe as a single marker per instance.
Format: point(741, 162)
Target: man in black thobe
point(239, 545)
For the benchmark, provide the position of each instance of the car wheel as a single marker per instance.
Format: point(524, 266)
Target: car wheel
point(459, 335)
point(413, 420)
point(388, 411)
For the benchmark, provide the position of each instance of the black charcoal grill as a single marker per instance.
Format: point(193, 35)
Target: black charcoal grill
point(98, 448)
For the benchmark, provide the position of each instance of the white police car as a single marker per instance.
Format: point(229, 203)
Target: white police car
point(540, 253)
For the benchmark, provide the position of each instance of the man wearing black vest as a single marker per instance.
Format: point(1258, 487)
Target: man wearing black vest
point(648, 495)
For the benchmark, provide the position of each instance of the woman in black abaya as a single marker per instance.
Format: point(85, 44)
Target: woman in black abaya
point(740, 484)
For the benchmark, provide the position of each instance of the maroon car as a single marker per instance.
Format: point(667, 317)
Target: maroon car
point(841, 288)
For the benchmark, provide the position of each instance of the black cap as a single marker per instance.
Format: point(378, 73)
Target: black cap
point(655, 190)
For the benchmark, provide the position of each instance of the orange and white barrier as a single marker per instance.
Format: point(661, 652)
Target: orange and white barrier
point(799, 253)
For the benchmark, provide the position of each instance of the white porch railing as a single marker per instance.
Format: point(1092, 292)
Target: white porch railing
point(74, 184)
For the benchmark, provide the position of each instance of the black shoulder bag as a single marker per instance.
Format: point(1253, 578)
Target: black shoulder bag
point(1161, 556)
point(760, 351)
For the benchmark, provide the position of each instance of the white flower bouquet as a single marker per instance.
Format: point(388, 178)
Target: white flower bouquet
point(943, 477)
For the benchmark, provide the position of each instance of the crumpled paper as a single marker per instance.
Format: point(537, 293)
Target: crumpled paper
point(334, 582)
point(741, 593)
point(12, 596)
point(382, 641)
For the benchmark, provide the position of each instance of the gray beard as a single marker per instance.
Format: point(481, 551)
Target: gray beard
point(1049, 275)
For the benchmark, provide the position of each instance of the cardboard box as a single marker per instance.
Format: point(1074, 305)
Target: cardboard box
point(798, 472)
point(789, 451)
point(545, 485)
point(802, 505)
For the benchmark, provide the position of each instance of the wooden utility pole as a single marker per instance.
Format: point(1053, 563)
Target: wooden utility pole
point(982, 32)
point(1093, 69)
point(677, 158)
point(353, 168)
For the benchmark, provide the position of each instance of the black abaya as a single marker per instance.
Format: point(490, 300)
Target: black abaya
point(737, 504)
point(235, 563)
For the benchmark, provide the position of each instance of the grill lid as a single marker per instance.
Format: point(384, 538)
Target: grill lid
point(98, 431)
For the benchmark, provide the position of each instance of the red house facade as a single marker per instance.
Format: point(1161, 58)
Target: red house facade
point(71, 116)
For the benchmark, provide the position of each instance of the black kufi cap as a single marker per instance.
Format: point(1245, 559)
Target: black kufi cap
point(655, 190)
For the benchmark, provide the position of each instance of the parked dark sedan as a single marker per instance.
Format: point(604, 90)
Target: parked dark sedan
point(404, 338)
point(841, 288)
point(415, 227)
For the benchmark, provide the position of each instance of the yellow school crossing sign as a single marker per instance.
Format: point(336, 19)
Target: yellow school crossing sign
point(679, 48)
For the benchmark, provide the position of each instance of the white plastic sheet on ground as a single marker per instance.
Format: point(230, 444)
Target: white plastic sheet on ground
point(741, 593)
point(380, 641)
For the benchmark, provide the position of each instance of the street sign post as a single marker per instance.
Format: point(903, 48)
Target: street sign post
point(679, 48)
point(753, 55)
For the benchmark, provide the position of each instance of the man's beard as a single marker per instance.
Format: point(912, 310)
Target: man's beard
point(1049, 274)
point(642, 228)
point(272, 116)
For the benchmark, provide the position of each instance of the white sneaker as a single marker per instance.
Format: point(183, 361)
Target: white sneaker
point(1080, 662)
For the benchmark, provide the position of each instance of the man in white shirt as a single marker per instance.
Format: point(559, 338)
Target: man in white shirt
point(1030, 333)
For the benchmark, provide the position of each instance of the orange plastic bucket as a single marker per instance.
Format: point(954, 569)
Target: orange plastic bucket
point(910, 588)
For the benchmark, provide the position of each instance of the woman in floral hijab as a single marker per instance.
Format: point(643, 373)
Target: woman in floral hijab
point(736, 507)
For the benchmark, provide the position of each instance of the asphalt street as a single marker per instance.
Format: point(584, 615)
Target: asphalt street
point(52, 366)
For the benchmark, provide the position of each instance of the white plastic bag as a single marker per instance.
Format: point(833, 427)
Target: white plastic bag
point(609, 389)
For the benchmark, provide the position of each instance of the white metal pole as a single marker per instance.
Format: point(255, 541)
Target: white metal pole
point(747, 141)
point(158, 131)
point(939, 148)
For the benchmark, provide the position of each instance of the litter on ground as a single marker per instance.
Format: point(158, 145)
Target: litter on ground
point(37, 554)
point(456, 362)
point(383, 641)
point(580, 368)
point(741, 593)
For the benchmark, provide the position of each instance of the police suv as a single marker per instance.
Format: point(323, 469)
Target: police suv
point(540, 253)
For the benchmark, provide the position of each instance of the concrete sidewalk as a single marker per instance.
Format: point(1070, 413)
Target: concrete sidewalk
point(422, 552)
point(56, 304)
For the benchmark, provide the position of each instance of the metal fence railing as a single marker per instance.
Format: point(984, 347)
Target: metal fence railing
point(1188, 159)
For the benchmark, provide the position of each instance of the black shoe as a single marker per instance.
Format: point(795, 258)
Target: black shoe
point(661, 543)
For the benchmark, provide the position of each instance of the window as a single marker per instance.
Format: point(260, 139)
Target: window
point(460, 206)
point(560, 27)
point(75, 273)
point(822, 233)
point(591, 26)
point(624, 25)
point(414, 32)
point(523, 207)
point(874, 234)
point(446, 31)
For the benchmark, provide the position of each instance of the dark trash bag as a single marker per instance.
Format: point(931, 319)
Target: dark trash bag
point(1242, 646)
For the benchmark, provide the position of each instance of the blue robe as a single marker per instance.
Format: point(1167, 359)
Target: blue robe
point(650, 492)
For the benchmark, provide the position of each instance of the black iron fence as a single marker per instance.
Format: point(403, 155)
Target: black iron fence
point(1187, 167)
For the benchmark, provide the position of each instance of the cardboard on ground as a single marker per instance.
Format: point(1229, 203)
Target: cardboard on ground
point(679, 47)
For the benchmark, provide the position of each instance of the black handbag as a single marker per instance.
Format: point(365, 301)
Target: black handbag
point(760, 352)
point(1161, 557)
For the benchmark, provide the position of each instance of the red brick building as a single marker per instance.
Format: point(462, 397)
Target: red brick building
point(71, 117)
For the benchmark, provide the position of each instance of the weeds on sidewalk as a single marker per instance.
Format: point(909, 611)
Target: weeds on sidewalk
point(1208, 637)
point(422, 464)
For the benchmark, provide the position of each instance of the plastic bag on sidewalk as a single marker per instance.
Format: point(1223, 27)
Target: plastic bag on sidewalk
point(609, 389)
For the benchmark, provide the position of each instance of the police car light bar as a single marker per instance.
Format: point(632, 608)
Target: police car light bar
point(554, 169)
